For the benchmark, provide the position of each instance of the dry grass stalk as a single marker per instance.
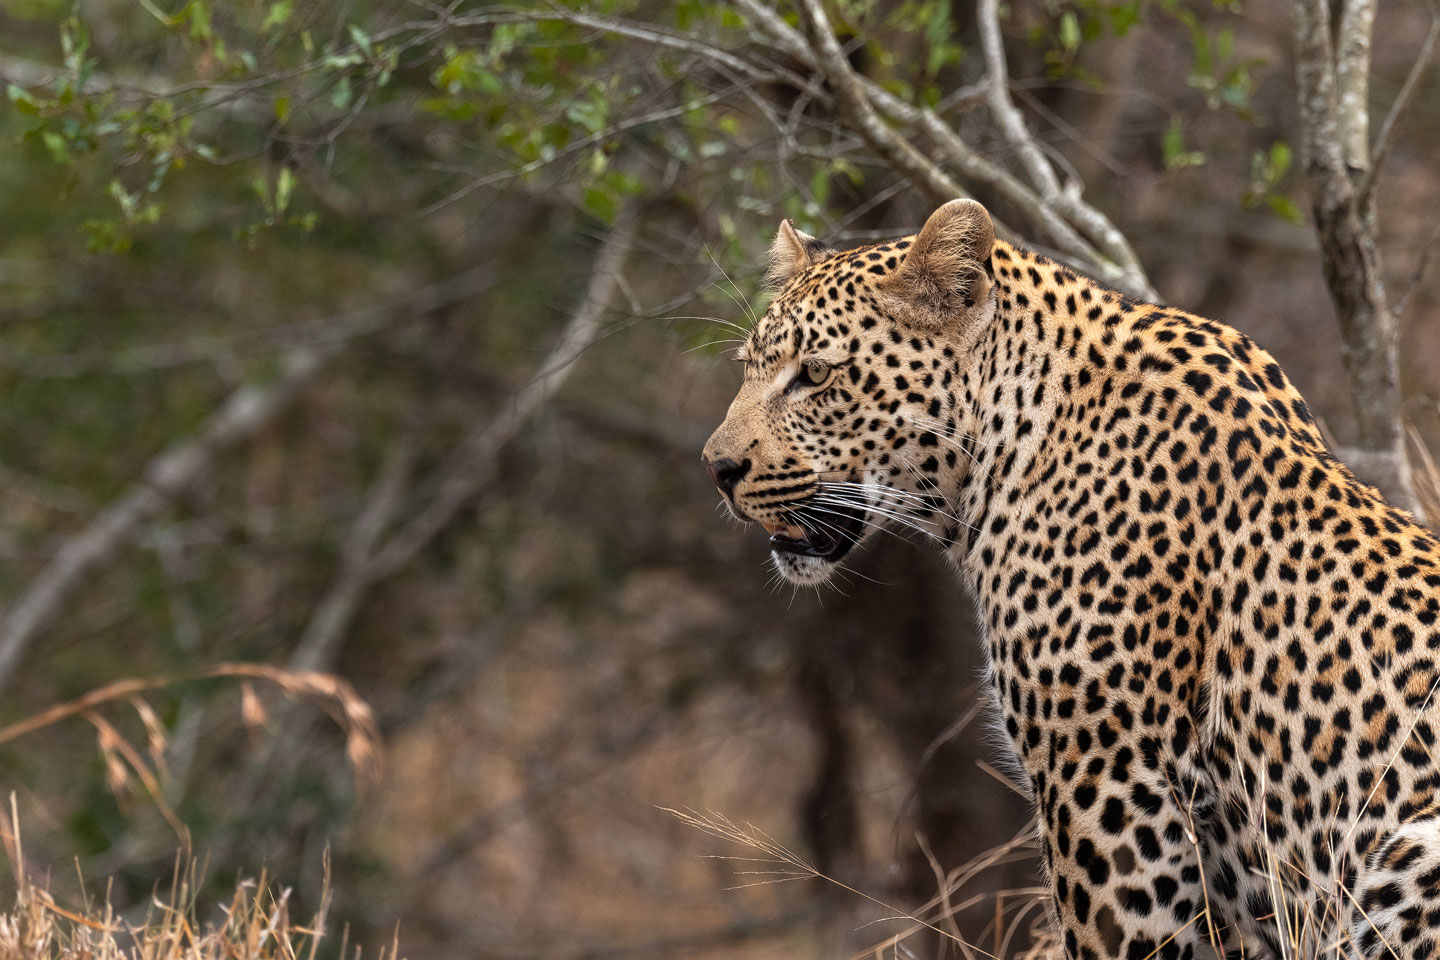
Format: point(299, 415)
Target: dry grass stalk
point(255, 924)
point(326, 691)
point(1425, 476)
point(777, 863)
point(1308, 926)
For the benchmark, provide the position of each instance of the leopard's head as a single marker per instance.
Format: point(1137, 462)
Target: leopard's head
point(852, 417)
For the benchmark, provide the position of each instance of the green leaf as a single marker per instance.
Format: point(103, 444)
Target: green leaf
point(852, 172)
point(602, 203)
point(1279, 158)
point(284, 187)
point(23, 101)
point(343, 94)
point(1173, 151)
point(339, 61)
point(197, 14)
point(820, 186)
point(1225, 44)
point(588, 112)
point(278, 15)
point(361, 38)
point(1070, 31)
point(1123, 16)
point(57, 145)
point(1282, 206)
point(104, 236)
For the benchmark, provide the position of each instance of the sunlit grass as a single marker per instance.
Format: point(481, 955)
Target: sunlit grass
point(255, 924)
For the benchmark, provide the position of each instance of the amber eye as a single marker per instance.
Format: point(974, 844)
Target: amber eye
point(813, 373)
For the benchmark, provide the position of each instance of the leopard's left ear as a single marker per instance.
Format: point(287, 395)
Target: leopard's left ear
point(790, 252)
point(943, 276)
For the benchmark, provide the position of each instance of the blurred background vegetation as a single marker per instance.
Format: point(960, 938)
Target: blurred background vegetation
point(379, 338)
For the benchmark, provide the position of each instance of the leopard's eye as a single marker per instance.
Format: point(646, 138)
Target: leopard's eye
point(813, 373)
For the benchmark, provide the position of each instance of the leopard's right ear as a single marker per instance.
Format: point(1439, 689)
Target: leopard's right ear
point(790, 252)
point(943, 276)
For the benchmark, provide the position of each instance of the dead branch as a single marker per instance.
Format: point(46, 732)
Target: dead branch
point(858, 111)
point(1381, 152)
point(366, 561)
point(1083, 235)
point(318, 645)
point(177, 469)
point(1009, 118)
point(162, 356)
point(1041, 174)
point(469, 467)
point(1332, 90)
point(243, 415)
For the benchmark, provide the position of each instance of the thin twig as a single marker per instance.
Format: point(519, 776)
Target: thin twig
point(1381, 151)
point(858, 110)
point(470, 465)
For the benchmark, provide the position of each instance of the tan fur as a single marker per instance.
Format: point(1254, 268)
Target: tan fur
point(789, 254)
point(944, 271)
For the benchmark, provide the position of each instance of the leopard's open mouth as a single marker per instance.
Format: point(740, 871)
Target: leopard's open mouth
point(824, 534)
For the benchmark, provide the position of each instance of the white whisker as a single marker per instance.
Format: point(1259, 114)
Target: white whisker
point(720, 320)
point(896, 498)
point(746, 305)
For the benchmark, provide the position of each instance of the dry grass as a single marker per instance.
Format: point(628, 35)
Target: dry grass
point(255, 924)
point(125, 763)
point(1018, 928)
point(1425, 475)
point(1309, 920)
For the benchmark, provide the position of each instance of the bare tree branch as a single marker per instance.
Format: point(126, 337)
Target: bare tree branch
point(367, 561)
point(328, 624)
point(1381, 151)
point(1007, 115)
point(1041, 174)
point(1352, 81)
point(858, 111)
point(862, 102)
point(148, 358)
point(1417, 276)
point(319, 645)
point(1331, 100)
point(244, 414)
point(469, 467)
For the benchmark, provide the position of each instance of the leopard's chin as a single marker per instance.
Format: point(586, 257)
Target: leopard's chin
point(803, 571)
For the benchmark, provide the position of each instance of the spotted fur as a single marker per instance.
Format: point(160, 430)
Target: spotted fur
point(1213, 649)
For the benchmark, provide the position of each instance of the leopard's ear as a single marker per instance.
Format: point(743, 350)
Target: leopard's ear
point(790, 252)
point(944, 276)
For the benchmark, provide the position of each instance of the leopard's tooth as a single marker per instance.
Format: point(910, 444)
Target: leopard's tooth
point(783, 528)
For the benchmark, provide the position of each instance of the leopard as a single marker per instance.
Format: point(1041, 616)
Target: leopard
point(1212, 649)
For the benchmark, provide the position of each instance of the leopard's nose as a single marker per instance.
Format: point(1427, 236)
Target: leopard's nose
point(726, 472)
